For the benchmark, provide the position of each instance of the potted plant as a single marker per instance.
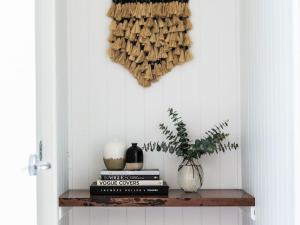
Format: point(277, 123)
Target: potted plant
point(190, 172)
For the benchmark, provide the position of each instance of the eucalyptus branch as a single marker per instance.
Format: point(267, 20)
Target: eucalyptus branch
point(178, 141)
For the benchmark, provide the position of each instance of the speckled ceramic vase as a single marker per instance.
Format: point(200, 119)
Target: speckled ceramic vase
point(114, 155)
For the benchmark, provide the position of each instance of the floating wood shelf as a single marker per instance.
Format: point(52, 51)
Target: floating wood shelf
point(208, 197)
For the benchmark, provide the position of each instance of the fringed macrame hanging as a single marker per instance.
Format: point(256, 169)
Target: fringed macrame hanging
point(150, 37)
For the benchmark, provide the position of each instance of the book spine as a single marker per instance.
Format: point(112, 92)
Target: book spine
point(124, 173)
point(129, 177)
point(129, 182)
point(143, 190)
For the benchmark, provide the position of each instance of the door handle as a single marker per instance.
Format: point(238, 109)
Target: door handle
point(35, 165)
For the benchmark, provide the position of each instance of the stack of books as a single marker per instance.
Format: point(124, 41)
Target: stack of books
point(143, 182)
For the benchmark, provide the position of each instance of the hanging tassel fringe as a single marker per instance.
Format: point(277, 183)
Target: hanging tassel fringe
point(150, 37)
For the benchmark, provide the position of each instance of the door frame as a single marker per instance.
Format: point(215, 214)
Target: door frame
point(296, 104)
point(47, 181)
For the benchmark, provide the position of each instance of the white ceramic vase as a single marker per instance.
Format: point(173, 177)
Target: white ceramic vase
point(114, 155)
point(190, 177)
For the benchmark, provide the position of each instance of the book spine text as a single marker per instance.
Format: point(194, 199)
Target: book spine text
point(129, 182)
point(129, 177)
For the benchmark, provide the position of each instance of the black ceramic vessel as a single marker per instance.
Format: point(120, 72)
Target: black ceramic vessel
point(134, 158)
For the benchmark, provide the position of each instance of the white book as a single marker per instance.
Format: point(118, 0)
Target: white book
point(130, 182)
point(127, 172)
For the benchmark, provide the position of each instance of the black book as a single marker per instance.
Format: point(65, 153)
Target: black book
point(129, 190)
point(129, 177)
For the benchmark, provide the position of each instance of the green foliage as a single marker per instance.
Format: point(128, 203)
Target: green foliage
point(178, 141)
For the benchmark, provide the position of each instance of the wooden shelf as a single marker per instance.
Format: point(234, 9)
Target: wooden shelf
point(208, 197)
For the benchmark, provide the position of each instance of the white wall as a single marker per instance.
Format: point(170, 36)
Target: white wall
point(106, 102)
point(267, 119)
point(62, 101)
point(62, 95)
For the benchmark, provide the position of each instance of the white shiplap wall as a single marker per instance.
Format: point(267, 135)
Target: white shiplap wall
point(106, 102)
point(267, 119)
point(62, 103)
point(62, 98)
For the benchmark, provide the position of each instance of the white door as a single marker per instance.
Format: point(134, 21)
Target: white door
point(17, 112)
point(28, 112)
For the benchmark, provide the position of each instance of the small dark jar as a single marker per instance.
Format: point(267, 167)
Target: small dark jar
point(134, 158)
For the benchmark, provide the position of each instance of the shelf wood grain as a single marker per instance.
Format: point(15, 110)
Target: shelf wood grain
point(176, 198)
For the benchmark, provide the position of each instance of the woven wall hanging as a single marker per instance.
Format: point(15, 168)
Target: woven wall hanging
point(150, 37)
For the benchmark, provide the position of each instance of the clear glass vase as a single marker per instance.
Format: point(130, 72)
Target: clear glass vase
point(190, 176)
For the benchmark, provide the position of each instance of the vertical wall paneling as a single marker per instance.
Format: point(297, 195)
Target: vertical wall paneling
point(154, 216)
point(191, 216)
point(210, 216)
point(79, 96)
point(190, 104)
point(81, 216)
point(117, 216)
point(229, 162)
point(208, 54)
point(154, 115)
point(99, 216)
point(79, 80)
point(173, 215)
point(136, 216)
point(62, 101)
point(227, 86)
point(229, 215)
point(105, 102)
point(62, 97)
point(98, 125)
point(267, 94)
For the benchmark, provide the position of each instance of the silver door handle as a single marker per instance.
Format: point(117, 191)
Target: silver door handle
point(35, 165)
